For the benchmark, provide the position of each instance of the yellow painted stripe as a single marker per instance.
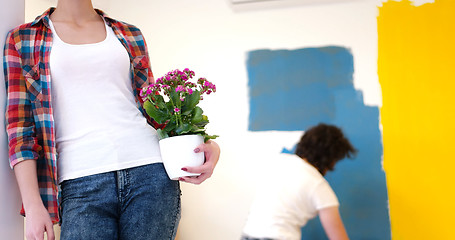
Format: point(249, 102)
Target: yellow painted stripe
point(416, 68)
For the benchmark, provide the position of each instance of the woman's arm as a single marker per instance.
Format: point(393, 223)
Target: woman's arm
point(22, 142)
point(212, 154)
point(332, 223)
point(38, 220)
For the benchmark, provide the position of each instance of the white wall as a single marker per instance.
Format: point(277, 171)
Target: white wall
point(11, 223)
point(212, 38)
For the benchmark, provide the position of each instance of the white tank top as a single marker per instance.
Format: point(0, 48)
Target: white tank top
point(98, 126)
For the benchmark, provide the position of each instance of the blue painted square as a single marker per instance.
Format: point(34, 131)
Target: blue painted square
point(282, 83)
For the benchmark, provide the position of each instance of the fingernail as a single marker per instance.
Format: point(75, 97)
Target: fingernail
point(184, 169)
point(197, 150)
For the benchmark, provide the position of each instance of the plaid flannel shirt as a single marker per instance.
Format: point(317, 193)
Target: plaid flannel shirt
point(29, 119)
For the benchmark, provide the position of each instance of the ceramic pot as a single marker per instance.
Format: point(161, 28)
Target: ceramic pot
point(178, 152)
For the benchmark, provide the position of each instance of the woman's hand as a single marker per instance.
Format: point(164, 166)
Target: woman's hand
point(37, 218)
point(212, 154)
point(38, 222)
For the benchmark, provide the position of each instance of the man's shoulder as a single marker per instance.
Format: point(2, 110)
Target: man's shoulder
point(299, 166)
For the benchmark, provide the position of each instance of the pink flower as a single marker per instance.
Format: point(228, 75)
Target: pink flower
point(201, 80)
point(179, 88)
point(190, 91)
point(189, 84)
point(176, 110)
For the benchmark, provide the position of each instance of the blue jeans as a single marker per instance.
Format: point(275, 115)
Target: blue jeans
point(135, 203)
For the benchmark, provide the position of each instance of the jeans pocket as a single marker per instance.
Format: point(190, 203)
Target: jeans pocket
point(80, 188)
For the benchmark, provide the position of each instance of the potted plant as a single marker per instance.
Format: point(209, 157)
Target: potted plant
point(172, 102)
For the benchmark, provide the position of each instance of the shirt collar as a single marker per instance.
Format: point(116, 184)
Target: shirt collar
point(45, 17)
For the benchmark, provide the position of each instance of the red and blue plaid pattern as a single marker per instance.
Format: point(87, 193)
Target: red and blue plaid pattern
point(29, 119)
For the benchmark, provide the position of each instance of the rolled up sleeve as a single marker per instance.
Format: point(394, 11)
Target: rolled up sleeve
point(20, 126)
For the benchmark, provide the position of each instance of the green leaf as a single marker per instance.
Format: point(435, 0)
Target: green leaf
point(159, 101)
point(190, 102)
point(196, 115)
point(157, 114)
point(207, 137)
point(170, 107)
point(175, 97)
point(182, 129)
point(170, 126)
point(201, 124)
point(196, 129)
point(162, 134)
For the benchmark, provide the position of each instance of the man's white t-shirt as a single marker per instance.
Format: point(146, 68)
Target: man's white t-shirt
point(291, 193)
point(98, 126)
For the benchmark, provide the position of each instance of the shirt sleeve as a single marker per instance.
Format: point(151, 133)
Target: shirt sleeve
point(20, 126)
point(142, 78)
point(323, 196)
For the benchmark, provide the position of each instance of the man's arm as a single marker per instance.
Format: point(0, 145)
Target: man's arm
point(332, 223)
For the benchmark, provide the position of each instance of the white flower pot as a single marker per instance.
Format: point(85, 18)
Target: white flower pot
point(178, 152)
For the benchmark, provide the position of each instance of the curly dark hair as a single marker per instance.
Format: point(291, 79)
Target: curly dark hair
point(323, 146)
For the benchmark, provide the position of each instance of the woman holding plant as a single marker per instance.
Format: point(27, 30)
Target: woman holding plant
point(73, 79)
